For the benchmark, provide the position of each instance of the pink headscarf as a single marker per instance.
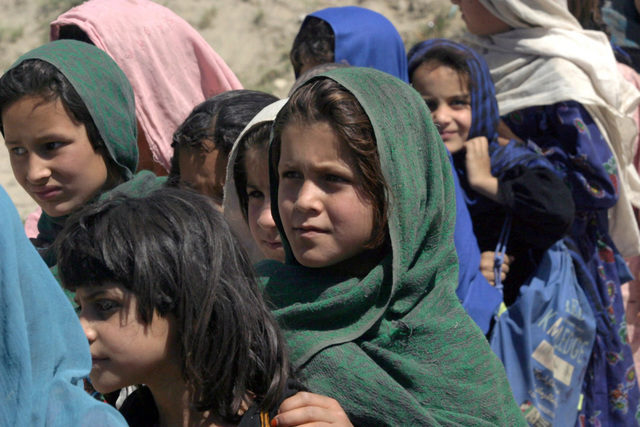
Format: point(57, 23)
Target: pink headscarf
point(171, 67)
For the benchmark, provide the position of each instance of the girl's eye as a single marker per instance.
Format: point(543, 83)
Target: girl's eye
point(18, 151)
point(335, 178)
point(291, 175)
point(255, 194)
point(105, 307)
point(459, 103)
point(431, 105)
point(49, 146)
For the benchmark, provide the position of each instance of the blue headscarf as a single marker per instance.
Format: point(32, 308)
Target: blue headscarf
point(485, 115)
point(43, 352)
point(365, 38)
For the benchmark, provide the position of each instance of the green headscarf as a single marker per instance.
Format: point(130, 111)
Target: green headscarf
point(107, 94)
point(395, 347)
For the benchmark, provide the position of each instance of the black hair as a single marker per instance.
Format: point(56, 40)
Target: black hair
point(447, 56)
point(220, 120)
point(175, 252)
point(314, 44)
point(255, 138)
point(35, 77)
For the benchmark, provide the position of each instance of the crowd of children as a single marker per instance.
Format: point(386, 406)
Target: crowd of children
point(340, 257)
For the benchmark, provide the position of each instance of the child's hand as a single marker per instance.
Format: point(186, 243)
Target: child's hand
point(505, 134)
point(486, 266)
point(309, 409)
point(479, 167)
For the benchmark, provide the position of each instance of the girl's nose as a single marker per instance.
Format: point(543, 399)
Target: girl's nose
point(441, 116)
point(89, 331)
point(39, 170)
point(308, 197)
point(265, 219)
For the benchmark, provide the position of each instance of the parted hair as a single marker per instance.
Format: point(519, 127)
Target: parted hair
point(256, 138)
point(219, 119)
point(324, 100)
point(175, 252)
point(35, 77)
point(314, 44)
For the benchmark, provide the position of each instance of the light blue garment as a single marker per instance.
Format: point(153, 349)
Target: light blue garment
point(44, 353)
point(365, 38)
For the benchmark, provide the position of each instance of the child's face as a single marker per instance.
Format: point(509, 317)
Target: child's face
point(325, 215)
point(479, 20)
point(204, 170)
point(125, 351)
point(51, 155)
point(447, 96)
point(261, 223)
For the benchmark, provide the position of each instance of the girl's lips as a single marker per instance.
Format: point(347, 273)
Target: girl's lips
point(272, 245)
point(47, 193)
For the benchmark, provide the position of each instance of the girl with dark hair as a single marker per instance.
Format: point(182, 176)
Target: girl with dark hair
point(202, 143)
point(498, 179)
point(350, 35)
point(167, 298)
point(247, 198)
point(558, 86)
point(68, 119)
point(360, 186)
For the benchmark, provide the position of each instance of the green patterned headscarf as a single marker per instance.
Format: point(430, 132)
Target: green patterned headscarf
point(104, 89)
point(107, 94)
point(395, 347)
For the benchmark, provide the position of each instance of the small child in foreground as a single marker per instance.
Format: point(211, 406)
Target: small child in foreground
point(167, 299)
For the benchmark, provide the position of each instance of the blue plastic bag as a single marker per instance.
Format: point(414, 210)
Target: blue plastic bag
point(544, 340)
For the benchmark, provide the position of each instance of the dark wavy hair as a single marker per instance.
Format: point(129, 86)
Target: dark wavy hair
point(175, 252)
point(447, 56)
point(256, 138)
point(220, 120)
point(314, 44)
point(325, 100)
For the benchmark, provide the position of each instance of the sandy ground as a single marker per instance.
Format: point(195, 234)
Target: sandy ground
point(252, 36)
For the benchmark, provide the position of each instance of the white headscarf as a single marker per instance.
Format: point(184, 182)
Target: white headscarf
point(547, 58)
point(231, 203)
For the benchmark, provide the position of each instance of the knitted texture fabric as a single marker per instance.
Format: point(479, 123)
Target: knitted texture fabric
point(394, 347)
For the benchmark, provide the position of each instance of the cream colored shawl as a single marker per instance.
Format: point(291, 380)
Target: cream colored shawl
point(231, 203)
point(547, 58)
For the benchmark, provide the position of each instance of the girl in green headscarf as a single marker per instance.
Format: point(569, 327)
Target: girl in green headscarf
point(68, 118)
point(363, 199)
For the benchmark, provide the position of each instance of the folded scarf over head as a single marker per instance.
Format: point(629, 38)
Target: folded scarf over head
point(364, 38)
point(548, 58)
point(171, 67)
point(394, 346)
point(108, 96)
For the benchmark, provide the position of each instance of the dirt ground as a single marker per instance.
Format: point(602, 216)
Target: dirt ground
point(252, 36)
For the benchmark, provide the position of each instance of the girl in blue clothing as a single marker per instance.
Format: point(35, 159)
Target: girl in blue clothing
point(353, 35)
point(497, 179)
point(558, 88)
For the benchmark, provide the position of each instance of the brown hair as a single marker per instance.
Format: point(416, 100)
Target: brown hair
point(324, 100)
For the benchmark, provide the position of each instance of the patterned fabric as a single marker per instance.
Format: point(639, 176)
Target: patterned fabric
point(395, 345)
point(43, 350)
point(364, 38)
point(547, 58)
point(567, 136)
point(527, 187)
point(108, 96)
